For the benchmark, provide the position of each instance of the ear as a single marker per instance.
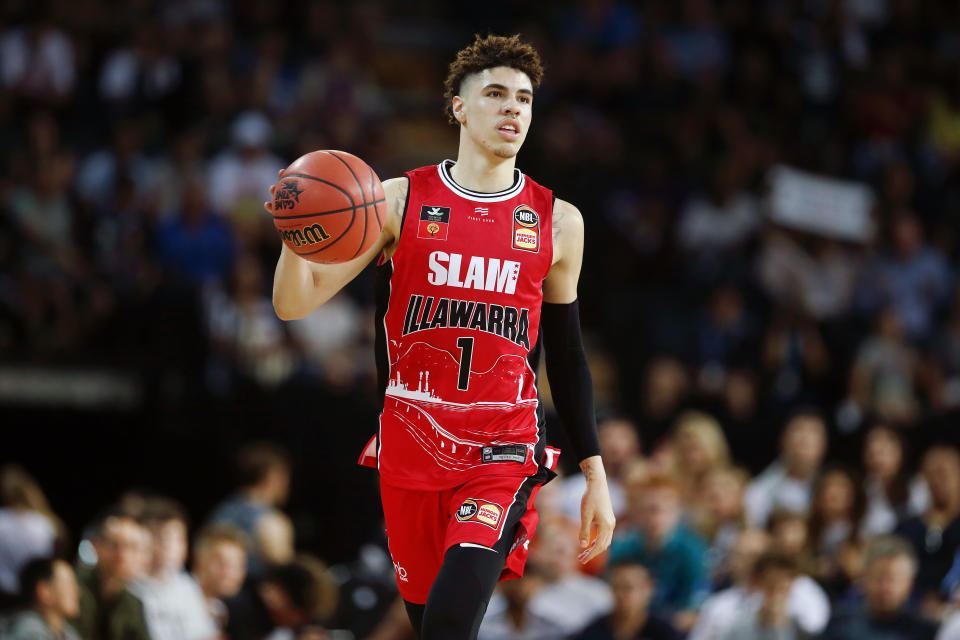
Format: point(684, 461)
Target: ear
point(457, 104)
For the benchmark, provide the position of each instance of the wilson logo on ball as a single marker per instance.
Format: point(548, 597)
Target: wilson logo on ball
point(310, 235)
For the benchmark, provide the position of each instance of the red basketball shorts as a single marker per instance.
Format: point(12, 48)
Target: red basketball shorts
point(495, 512)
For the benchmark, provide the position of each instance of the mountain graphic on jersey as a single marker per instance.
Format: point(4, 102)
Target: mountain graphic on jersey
point(422, 395)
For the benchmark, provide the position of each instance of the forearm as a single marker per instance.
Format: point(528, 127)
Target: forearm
point(570, 382)
point(294, 286)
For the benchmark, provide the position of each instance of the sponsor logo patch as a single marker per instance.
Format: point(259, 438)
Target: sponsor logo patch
point(482, 511)
point(526, 229)
point(504, 453)
point(433, 222)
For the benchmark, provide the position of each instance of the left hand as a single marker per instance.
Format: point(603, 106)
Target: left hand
point(595, 510)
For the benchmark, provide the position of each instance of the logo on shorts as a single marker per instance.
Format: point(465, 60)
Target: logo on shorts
point(401, 572)
point(476, 510)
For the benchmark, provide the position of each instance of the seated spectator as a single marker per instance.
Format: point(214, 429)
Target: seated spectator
point(293, 597)
point(219, 567)
point(700, 447)
point(887, 485)
point(28, 528)
point(788, 482)
point(890, 568)
point(807, 605)
point(510, 615)
point(675, 555)
point(567, 597)
point(123, 550)
point(722, 517)
point(632, 587)
point(835, 519)
point(935, 535)
point(264, 475)
point(166, 601)
point(51, 596)
point(774, 575)
point(619, 447)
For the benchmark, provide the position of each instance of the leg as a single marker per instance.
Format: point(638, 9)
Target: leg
point(415, 613)
point(459, 596)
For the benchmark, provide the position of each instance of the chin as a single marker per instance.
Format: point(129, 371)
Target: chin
point(505, 151)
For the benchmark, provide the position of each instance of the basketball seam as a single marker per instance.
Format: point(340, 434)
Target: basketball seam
point(376, 212)
point(362, 198)
point(326, 213)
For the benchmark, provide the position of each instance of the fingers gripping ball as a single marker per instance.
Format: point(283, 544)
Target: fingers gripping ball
point(328, 206)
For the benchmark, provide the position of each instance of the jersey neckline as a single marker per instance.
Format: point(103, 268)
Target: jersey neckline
point(479, 196)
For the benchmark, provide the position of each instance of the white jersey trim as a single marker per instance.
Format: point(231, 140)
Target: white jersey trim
point(519, 180)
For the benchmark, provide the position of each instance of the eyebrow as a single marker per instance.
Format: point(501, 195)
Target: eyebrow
point(503, 88)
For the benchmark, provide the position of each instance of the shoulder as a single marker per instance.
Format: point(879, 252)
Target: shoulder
point(565, 213)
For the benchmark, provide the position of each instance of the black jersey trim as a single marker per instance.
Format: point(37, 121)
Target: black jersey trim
point(519, 180)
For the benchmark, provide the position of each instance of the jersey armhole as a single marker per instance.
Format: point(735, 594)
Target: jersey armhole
point(403, 220)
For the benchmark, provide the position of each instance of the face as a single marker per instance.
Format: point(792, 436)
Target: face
point(749, 546)
point(555, 554)
point(618, 443)
point(790, 536)
point(632, 587)
point(61, 593)
point(804, 444)
point(693, 453)
point(124, 550)
point(941, 470)
point(279, 478)
point(835, 498)
point(659, 511)
point(169, 546)
point(882, 454)
point(495, 109)
point(221, 568)
point(776, 584)
point(724, 495)
point(888, 583)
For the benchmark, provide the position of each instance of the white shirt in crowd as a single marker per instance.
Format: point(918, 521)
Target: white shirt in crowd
point(558, 609)
point(174, 608)
point(950, 629)
point(807, 605)
point(772, 490)
point(26, 535)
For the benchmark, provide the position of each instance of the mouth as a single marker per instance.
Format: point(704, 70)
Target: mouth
point(509, 129)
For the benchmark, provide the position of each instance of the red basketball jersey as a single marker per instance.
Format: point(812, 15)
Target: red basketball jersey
point(458, 320)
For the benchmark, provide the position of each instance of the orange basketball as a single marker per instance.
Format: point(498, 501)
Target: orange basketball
point(328, 206)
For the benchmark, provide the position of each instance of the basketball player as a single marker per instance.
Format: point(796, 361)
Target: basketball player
point(478, 267)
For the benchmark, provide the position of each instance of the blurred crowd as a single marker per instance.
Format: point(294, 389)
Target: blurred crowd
point(778, 401)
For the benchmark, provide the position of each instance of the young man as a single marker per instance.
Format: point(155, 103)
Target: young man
point(50, 592)
point(476, 260)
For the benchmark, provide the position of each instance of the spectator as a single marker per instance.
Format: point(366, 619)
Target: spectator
point(935, 535)
point(37, 59)
point(570, 599)
point(836, 517)
point(887, 485)
point(51, 595)
point(632, 588)
point(807, 605)
point(788, 482)
point(790, 534)
point(774, 575)
point(675, 555)
point(912, 278)
point(28, 527)
point(619, 448)
point(888, 579)
point(263, 471)
point(701, 448)
point(722, 518)
point(219, 567)
point(510, 615)
point(123, 550)
point(166, 602)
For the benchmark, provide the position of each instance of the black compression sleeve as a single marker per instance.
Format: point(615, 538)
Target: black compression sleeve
point(569, 376)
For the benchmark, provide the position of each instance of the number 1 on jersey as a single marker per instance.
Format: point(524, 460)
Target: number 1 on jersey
point(466, 355)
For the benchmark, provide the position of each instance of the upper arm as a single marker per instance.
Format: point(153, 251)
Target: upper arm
point(275, 537)
point(560, 285)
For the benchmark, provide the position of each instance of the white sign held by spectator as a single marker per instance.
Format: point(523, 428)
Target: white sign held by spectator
point(824, 206)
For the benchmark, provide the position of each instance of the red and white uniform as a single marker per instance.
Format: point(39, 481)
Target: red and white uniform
point(460, 448)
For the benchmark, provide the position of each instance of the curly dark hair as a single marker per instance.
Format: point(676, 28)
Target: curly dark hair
point(484, 53)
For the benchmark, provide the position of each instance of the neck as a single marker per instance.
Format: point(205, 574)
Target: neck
point(53, 619)
point(479, 170)
point(208, 591)
point(627, 623)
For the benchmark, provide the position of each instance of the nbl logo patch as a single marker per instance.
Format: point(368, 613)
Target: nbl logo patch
point(476, 510)
point(433, 222)
point(526, 229)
